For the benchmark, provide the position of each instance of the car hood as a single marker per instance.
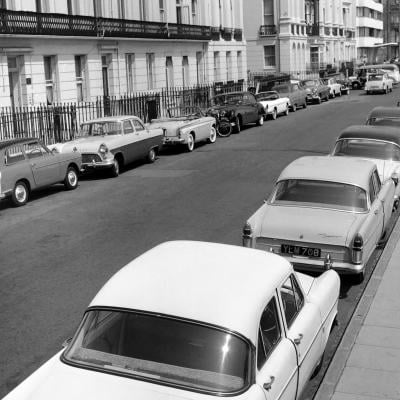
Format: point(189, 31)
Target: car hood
point(88, 144)
point(56, 380)
point(226, 107)
point(306, 224)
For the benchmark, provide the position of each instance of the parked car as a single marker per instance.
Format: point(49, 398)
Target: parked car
point(345, 85)
point(186, 126)
point(297, 95)
point(239, 108)
point(273, 104)
point(378, 82)
point(384, 116)
point(334, 86)
point(27, 164)
point(325, 212)
point(171, 325)
point(113, 142)
point(316, 90)
point(380, 144)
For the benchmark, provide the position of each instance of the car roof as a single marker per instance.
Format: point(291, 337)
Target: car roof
point(12, 142)
point(232, 93)
point(377, 132)
point(384, 112)
point(111, 119)
point(218, 284)
point(349, 170)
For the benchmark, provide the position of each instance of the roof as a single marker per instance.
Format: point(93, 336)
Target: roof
point(232, 93)
point(219, 284)
point(111, 118)
point(376, 132)
point(12, 142)
point(390, 112)
point(350, 170)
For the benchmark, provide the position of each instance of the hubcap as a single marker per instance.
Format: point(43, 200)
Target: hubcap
point(190, 142)
point(213, 135)
point(72, 178)
point(116, 166)
point(20, 193)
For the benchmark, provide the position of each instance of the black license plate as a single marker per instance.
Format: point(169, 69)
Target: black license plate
point(300, 251)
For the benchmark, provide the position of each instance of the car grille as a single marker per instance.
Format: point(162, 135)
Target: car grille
point(337, 253)
point(90, 158)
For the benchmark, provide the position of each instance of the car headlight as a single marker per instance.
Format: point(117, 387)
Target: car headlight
point(103, 150)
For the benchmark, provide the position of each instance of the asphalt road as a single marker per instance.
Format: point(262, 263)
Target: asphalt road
point(58, 250)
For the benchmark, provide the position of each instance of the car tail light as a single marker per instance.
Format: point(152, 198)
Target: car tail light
point(357, 251)
point(247, 235)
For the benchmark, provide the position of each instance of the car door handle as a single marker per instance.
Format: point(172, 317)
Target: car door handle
point(298, 339)
point(376, 212)
point(267, 385)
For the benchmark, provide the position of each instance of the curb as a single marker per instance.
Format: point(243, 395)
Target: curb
point(339, 360)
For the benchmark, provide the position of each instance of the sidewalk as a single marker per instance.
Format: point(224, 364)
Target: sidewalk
point(366, 365)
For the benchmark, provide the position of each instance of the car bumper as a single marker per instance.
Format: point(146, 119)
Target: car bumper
point(374, 89)
point(171, 141)
point(97, 165)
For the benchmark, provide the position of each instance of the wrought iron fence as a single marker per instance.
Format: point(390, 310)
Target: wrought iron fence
point(60, 122)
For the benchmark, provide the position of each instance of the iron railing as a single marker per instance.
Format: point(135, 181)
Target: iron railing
point(267, 30)
point(238, 34)
point(33, 23)
point(312, 30)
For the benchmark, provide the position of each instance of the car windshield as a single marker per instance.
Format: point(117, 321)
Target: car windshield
point(322, 194)
point(385, 121)
point(375, 77)
point(309, 83)
point(378, 149)
point(227, 99)
point(100, 128)
point(185, 112)
point(267, 96)
point(162, 349)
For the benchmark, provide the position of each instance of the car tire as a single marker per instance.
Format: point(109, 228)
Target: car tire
point(287, 110)
point(71, 179)
point(238, 126)
point(190, 143)
point(327, 97)
point(224, 129)
point(318, 366)
point(213, 135)
point(319, 100)
point(20, 194)
point(151, 156)
point(305, 103)
point(367, 92)
point(274, 114)
point(115, 169)
point(294, 107)
point(260, 121)
point(386, 90)
point(340, 93)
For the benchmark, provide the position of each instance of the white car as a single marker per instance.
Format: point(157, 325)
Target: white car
point(334, 86)
point(273, 104)
point(380, 144)
point(195, 320)
point(378, 82)
point(325, 212)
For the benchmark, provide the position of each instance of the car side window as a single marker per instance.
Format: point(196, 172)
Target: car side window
point(372, 193)
point(138, 125)
point(377, 182)
point(292, 299)
point(249, 98)
point(269, 332)
point(128, 128)
point(34, 150)
point(13, 155)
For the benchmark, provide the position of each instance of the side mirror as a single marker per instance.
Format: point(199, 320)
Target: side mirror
point(54, 150)
point(66, 342)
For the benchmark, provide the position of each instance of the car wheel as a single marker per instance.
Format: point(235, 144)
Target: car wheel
point(386, 90)
point(224, 129)
point(327, 97)
point(287, 110)
point(260, 121)
point(367, 92)
point(114, 172)
point(340, 93)
point(294, 107)
point(319, 100)
point(190, 143)
point(151, 156)
point(71, 179)
point(359, 278)
point(305, 103)
point(20, 194)
point(391, 89)
point(318, 366)
point(238, 126)
point(213, 135)
point(274, 114)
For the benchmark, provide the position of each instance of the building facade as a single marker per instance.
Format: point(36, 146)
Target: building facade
point(369, 31)
point(77, 50)
point(299, 35)
point(391, 28)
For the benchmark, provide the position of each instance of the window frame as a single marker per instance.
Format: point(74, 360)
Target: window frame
point(295, 285)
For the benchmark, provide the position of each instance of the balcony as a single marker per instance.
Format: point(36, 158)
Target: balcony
point(327, 31)
point(227, 33)
point(312, 30)
point(238, 34)
point(334, 31)
point(350, 34)
point(31, 23)
point(215, 33)
point(267, 30)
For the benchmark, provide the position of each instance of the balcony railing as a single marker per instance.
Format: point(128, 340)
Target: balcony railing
point(312, 30)
point(350, 34)
point(327, 31)
point(32, 23)
point(267, 30)
point(334, 31)
point(227, 33)
point(238, 34)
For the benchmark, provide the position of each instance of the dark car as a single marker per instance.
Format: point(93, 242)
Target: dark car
point(386, 116)
point(316, 90)
point(344, 85)
point(237, 108)
point(296, 94)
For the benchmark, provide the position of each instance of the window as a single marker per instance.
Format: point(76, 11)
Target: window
point(130, 72)
point(50, 78)
point(162, 10)
point(121, 9)
point(269, 12)
point(269, 332)
point(185, 71)
point(292, 299)
point(372, 194)
point(80, 71)
point(269, 56)
point(169, 72)
point(34, 150)
point(217, 66)
point(239, 61)
point(195, 17)
point(150, 70)
point(106, 61)
point(13, 155)
point(138, 125)
point(142, 10)
point(377, 182)
point(229, 65)
point(98, 12)
point(178, 11)
point(200, 67)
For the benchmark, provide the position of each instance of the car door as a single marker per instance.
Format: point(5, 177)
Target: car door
point(46, 168)
point(296, 95)
point(252, 108)
point(16, 167)
point(304, 328)
point(129, 140)
point(277, 369)
point(144, 140)
point(385, 195)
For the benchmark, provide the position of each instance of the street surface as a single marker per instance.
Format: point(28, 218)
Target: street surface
point(58, 250)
